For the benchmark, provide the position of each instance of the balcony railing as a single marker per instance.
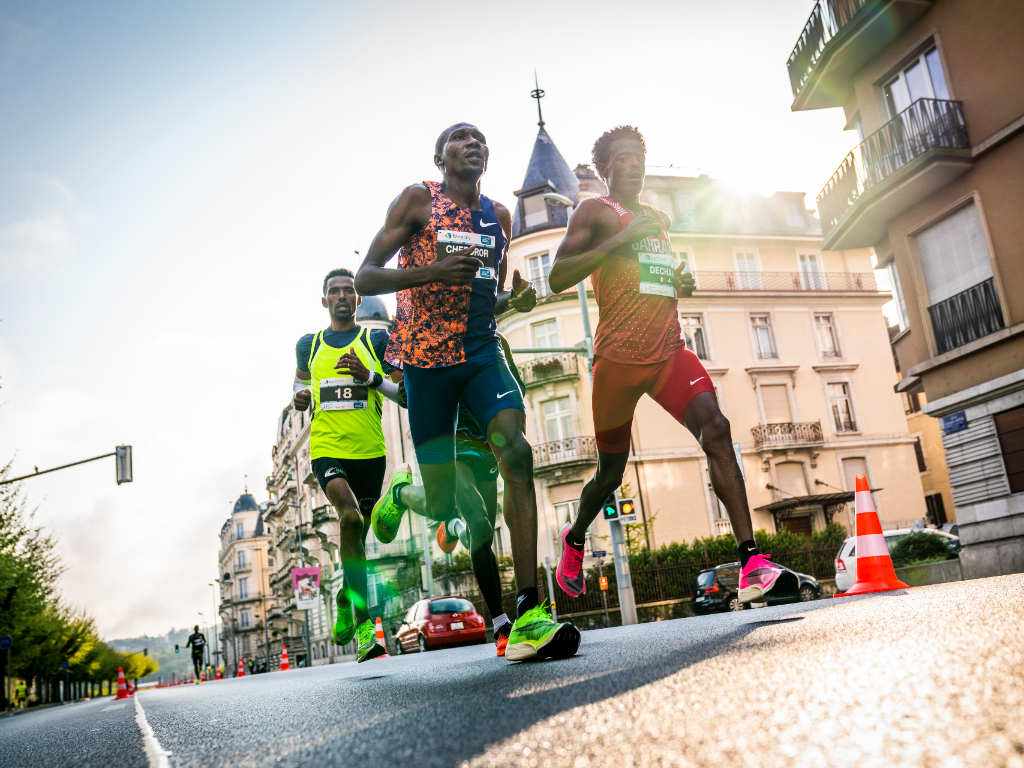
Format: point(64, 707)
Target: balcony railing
point(324, 514)
point(925, 124)
point(571, 450)
point(374, 549)
point(786, 281)
point(967, 316)
point(549, 368)
point(790, 433)
point(825, 21)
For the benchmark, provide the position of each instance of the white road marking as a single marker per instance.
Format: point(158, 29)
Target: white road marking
point(122, 705)
point(155, 754)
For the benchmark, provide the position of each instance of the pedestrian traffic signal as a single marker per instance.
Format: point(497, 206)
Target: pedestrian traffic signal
point(627, 511)
point(123, 462)
point(145, 651)
point(610, 511)
point(176, 648)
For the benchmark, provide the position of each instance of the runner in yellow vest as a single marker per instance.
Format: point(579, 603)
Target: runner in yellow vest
point(340, 372)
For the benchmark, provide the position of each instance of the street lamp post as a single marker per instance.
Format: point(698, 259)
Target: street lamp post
point(202, 623)
point(213, 602)
point(266, 629)
point(302, 562)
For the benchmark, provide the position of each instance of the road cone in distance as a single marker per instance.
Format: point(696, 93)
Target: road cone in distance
point(218, 673)
point(874, 565)
point(122, 689)
point(284, 658)
point(241, 669)
point(380, 638)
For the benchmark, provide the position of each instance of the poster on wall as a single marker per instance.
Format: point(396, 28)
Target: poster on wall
point(306, 583)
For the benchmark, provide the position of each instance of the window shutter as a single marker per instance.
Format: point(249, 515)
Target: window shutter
point(953, 255)
point(776, 404)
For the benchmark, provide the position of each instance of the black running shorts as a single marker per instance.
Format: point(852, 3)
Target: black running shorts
point(364, 476)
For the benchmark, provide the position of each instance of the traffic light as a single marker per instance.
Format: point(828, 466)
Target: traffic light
point(609, 511)
point(176, 648)
point(627, 511)
point(123, 462)
point(145, 651)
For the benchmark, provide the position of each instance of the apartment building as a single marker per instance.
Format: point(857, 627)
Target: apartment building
point(933, 89)
point(305, 532)
point(245, 568)
point(792, 335)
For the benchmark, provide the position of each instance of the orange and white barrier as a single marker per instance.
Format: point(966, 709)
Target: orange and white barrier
point(241, 669)
point(875, 572)
point(380, 637)
point(284, 658)
point(122, 689)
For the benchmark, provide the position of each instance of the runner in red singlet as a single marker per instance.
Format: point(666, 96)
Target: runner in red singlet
point(624, 247)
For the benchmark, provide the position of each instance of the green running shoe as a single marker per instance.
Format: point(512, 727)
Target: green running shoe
point(345, 626)
point(369, 648)
point(387, 513)
point(536, 636)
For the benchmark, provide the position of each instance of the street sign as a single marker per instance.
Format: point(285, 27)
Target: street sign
point(6, 642)
point(955, 422)
point(65, 665)
point(627, 511)
point(604, 583)
point(599, 553)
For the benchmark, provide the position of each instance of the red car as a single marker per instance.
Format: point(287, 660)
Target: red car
point(440, 622)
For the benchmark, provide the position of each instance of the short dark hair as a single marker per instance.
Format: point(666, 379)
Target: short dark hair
point(599, 154)
point(339, 272)
point(443, 138)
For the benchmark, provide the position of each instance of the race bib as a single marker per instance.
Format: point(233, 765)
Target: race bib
point(657, 271)
point(344, 393)
point(449, 242)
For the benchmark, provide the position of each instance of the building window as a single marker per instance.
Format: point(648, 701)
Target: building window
point(748, 273)
point(693, 334)
point(794, 214)
point(239, 531)
point(373, 582)
point(775, 402)
point(558, 419)
point(245, 644)
point(922, 466)
point(841, 407)
point(922, 79)
point(546, 334)
point(245, 619)
point(824, 328)
point(539, 266)
point(764, 344)
point(535, 210)
point(566, 513)
point(811, 276)
point(1010, 429)
point(911, 403)
point(682, 257)
point(241, 559)
point(243, 588)
point(936, 509)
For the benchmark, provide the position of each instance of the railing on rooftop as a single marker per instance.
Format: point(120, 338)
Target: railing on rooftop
point(788, 433)
point(825, 21)
point(786, 281)
point(550, 367)
point(925, 124)
point(571, 450)
point(967, 316)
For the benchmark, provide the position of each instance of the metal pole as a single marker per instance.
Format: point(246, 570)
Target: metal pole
point(213, 602)
point(54, 469)
point(266, 631)
point(426, 556)
point(604, 592)
point(627, 601)
point(588, 337)
point(551, 588)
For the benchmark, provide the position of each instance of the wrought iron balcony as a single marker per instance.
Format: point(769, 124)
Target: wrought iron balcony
point(571, 450)
point(925, 125)
point(967, 316)
point(825, 21)
point(376, 550)
point(787, 434)
point(786, 281)
point(324, 514)
point(551, 368)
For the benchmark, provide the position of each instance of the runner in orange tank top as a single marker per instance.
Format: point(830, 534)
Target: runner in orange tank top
point(624, 247)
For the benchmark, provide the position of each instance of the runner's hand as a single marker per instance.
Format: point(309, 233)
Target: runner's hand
point(524, 295)
point(350, 363)
point(685, 281)
point(302, 399)
point(640, 228)
point(403, 397)
point(459, 268)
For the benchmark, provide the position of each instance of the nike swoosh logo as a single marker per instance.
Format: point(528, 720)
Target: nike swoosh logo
point(488, 224)
point(696, 380)
point(507, 393)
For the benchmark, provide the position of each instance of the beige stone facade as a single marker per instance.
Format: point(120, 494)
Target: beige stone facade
point(935, 188)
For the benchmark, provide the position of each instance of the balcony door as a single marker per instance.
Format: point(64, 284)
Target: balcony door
point(811, 276)
point(921, 79)
point(539, 267)
point(748, 274)
point(558, 423)
point(775, 399)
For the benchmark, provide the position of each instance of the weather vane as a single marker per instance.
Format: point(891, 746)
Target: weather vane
point(538, 94)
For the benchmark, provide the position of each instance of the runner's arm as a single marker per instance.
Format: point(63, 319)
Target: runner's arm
point(522, 297)
point(303, 396)
point(407, 215)
point(576, 260)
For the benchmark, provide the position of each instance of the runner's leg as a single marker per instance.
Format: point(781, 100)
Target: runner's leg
point(474, 510)
point(354, 527)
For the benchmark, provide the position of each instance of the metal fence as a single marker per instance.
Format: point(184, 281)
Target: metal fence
point(825, 21)
point(967, 316)
point(787, 433)
point(571, 450)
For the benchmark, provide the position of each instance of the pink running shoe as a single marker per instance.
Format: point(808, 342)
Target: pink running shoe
point(757, 578)
point(570, 567)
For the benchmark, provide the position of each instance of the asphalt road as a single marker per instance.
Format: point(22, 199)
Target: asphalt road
point(932, 676)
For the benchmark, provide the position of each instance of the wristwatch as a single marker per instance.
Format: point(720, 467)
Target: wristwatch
point(377, 380)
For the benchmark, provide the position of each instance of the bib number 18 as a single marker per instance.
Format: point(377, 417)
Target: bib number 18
point(343, 394)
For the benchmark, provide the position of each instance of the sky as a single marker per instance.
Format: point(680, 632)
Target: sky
point(176, 179)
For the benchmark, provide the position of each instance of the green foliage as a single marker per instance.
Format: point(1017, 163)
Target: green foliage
point(780, 541)
point(918, 548)
point(831, 536)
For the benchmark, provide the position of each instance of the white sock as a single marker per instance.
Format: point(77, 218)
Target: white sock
point(497, 621)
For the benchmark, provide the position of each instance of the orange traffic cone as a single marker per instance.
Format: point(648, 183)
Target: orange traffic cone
point(380, 638)
point(218, 673)
point(241, 669)
point(284, 658)
point(131, 689)
point(874, 565)
point(122, 689)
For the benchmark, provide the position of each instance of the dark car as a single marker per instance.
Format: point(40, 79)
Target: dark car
point(440, 622)
point(716, 589)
